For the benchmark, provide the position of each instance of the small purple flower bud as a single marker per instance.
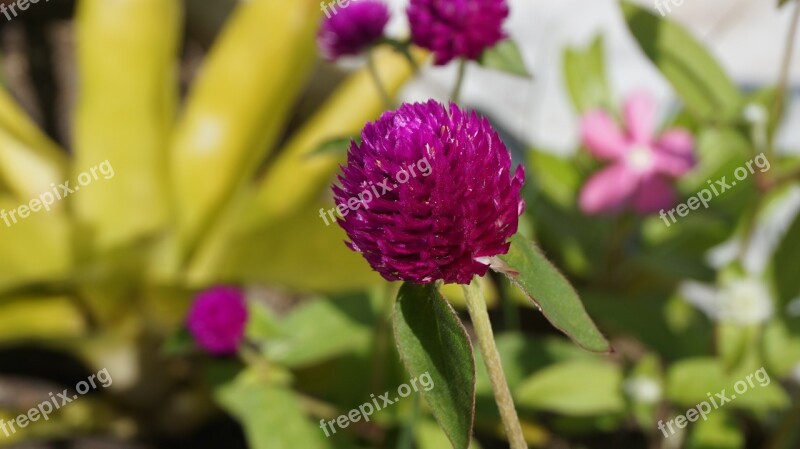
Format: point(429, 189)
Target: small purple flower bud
point(217, 319)
point(350, 30)
point(457, 28)
point(429, 194)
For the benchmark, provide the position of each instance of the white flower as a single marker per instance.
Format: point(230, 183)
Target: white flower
point(642, 389)
point(740, 301)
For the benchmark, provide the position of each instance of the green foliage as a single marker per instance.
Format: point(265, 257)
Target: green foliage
point(271, 415)
point(533, 273)
point(505, 57)
point(431, 339)
point(585, 75)
point(694, 74)
point(227, 188)
point(562, 388)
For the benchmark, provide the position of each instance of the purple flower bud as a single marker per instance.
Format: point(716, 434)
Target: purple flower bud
point(217, 319)
point(429, 194)
point(348, 31)
point(457, 28)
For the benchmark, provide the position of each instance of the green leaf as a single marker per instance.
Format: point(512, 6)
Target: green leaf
point(181, 342)
point(523, 355)
point(556, 177)
point(505, 57)
point(428, 435)
point(322, 329)
point(554, 295)
point(689, 380)
point(563, 388)
point(734, 341)
point(718, 431)
point(585, 76)
point(335, 147)
point(694, 74)
point(431, 339)
point(271, 416)
point(780, 348)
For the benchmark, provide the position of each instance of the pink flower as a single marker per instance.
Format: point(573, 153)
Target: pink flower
point(217, 319)
point(642, 165)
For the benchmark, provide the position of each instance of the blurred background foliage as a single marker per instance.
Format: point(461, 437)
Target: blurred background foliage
point(212, 114)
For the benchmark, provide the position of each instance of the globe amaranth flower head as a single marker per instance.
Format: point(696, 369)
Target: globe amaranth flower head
point(217, 319)
point(457, 28)
point(350, 30)
point(642, 165)
point(440, 226)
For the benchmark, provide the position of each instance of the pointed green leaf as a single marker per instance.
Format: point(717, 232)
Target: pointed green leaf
point(505, 57)
point(335, 147)
point(696, 76)
point(431, 338)
point(563, 388)
point(554, 295)
point(271, 415)
point(585, 76)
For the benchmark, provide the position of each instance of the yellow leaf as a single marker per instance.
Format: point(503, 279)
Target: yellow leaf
point(239, 106)
point(126, 106)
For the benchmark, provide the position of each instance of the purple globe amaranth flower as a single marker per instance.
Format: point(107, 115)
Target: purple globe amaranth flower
point(348, 31)
point(457, 28)
point(429, 194)
point(217, 319)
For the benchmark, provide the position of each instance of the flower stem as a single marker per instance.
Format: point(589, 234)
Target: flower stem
point(373, 70)
point(462, 70)
point(491, 358)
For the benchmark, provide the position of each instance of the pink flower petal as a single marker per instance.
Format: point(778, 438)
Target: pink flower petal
point(677, 141)
point(672, 165)
point(608, 190)
point(602, 137)
point(640, 117)
point(654, 193)
point(674, 153)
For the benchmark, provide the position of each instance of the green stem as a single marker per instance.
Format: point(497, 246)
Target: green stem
point(462, 70)
point(373, 70)
point(491, 358)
